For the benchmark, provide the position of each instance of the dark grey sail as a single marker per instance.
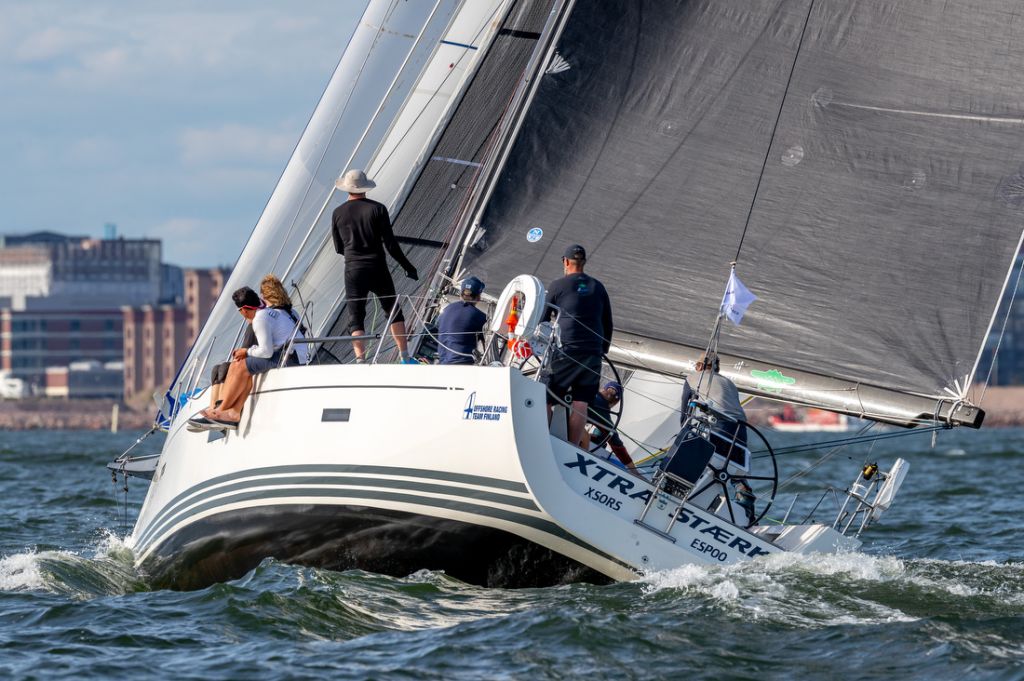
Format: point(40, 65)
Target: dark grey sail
point(426, 220)
point(863, 162)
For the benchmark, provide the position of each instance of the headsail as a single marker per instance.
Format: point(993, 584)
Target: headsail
point(374, 83)
point(862, 163)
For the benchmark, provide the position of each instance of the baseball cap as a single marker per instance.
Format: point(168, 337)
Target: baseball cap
point(471, 286)
point(616, 386)
point(575, 252)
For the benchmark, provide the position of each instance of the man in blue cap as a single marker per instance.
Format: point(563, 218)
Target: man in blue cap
point(461, 325)
point(585, 328)
point(600, 417)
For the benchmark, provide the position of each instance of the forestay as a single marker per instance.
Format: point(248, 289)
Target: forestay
point(880, 233)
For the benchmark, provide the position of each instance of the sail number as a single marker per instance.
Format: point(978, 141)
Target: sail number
point(603, 498)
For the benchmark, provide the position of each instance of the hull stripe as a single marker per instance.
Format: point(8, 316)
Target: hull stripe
point(532, 522)
point(479, 480)
point(170, 514)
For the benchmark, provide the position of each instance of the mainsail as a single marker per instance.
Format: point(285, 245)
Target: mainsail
point(862, 163)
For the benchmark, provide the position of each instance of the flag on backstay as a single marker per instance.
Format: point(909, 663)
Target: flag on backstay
point(736, 300)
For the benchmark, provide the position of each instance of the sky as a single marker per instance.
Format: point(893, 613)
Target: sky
point(172, 120)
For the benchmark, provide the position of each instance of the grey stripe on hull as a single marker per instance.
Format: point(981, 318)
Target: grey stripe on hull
point(514, 517)
point(466, 478)
point(172, 513)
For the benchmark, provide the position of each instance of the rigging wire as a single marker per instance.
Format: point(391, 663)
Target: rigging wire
point(1002, 331)
point(856, 439)
point(771, 139)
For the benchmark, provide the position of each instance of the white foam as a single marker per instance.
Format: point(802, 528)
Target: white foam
point(116, 548)
point(20, 572)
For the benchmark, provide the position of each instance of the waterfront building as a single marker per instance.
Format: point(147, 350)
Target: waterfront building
point(1007, 366)
point(61, 298)
point(86, 380)
point(44, 269)
point(33, 339)
point(155, 344)
point(157, 338)
point(202, 289)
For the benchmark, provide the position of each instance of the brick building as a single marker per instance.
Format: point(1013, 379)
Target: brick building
point(157, 338)
point(32, 340)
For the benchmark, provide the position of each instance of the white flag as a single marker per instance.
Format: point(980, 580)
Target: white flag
point(737, 299)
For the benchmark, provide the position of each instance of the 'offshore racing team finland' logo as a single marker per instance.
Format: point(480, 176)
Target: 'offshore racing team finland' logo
point(773, 381)
point(482, 412)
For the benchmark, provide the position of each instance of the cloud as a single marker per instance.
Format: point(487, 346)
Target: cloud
point(53, 42)
point(189, 240)
point(232, 144)
point(171, 119)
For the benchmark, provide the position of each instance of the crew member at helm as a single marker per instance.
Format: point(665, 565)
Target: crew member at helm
point(585, 327)
point(461, 325)
point(600, 417)
point(721, 395)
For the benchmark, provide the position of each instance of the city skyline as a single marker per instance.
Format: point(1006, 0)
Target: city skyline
point(173, 122)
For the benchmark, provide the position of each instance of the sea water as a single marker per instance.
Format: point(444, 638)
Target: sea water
point(937, 591)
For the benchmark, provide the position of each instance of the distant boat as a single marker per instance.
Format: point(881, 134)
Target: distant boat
point(810, 421)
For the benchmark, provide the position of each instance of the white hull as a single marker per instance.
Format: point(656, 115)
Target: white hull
point(430, 467)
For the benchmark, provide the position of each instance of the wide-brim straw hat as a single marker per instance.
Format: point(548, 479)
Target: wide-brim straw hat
point(355, 181)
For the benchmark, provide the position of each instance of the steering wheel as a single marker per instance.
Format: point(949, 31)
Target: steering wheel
point(723, 478)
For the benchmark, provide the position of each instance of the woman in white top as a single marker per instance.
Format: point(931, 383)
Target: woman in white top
point(273, 327)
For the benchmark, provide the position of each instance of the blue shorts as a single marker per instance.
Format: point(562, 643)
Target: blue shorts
point(261, 365)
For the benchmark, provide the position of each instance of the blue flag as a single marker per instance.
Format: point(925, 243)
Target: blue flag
point(736, 300)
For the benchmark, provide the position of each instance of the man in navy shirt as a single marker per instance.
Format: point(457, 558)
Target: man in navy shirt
point(461, 325)
point(585, 328)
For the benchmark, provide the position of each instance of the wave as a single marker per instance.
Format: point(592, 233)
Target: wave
point(823, 589)
point(107, 570)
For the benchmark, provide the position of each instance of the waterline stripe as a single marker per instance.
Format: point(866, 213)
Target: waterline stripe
point(180, 510)
point(515, 517)
point(270, 471)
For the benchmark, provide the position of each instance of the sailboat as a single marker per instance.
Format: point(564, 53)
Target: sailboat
point(810, 421)
point(859, 167)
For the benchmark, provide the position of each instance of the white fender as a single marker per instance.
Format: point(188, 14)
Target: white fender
point(533, 306)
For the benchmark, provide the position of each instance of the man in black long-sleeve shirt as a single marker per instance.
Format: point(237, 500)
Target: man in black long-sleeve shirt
point(585, 327)
point(361, 229)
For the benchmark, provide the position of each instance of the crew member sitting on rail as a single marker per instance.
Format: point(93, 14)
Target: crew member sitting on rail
point(274, 329)
point(721, 395)
point(600, 416)
point(460, 326)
